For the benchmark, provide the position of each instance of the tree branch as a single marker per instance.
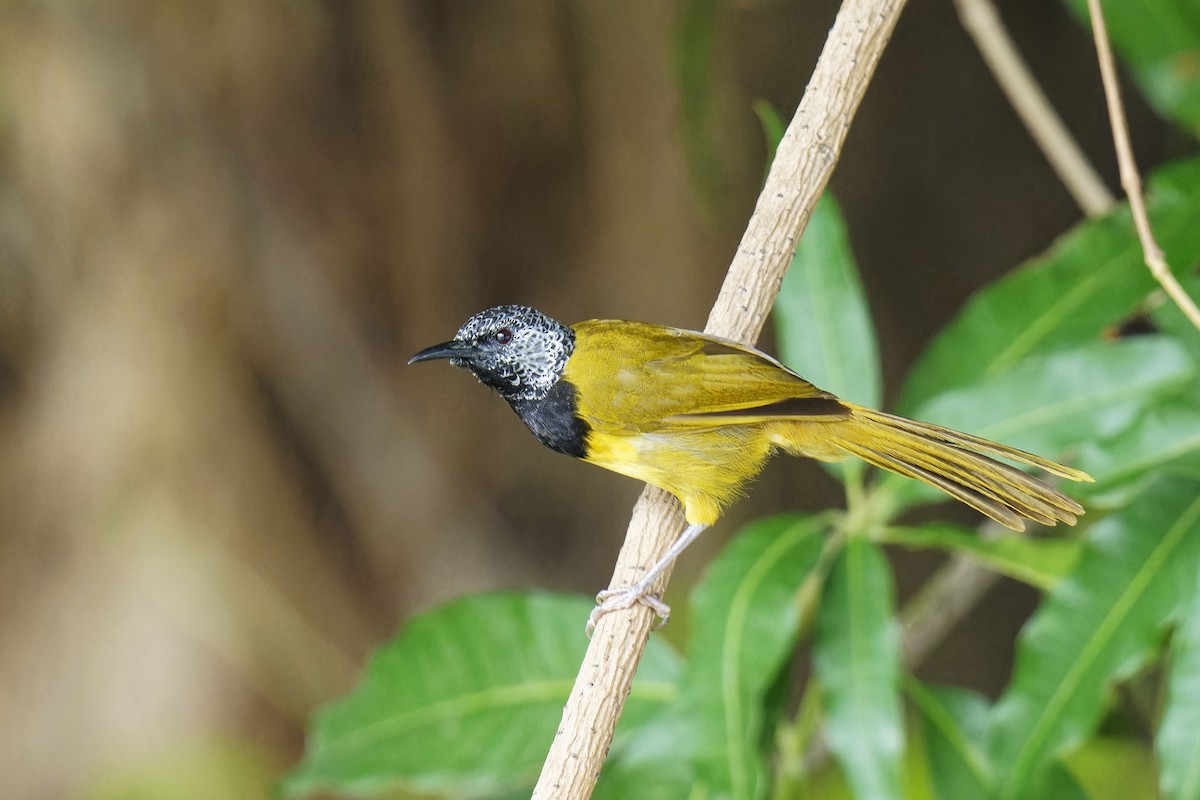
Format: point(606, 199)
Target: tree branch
point(1131, 181)
point(942, 602)
point(798, 175)
point(981, 21)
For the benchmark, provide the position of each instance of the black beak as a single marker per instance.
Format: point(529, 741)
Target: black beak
point(451, 349)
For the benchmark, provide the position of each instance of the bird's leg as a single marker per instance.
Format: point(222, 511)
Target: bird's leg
point(616, 599)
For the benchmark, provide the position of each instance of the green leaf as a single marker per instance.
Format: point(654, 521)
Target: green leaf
point(1090, 279)
point(773, 127)
point(856, 659)
point(1160, 40)
point(466, 700)
point(1038, 562)
point(1167, 316)
point(1178, 740)
point(1060, 784)
point(660, 779)
point(1166, 433)
point(1109, 768)
point(821, 316)
point(1051, 404)
point(822, 320)
point(954, 725)
point(745, 621)
point(1098, 625)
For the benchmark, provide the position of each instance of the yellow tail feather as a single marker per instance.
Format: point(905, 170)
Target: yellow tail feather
point(952, 462)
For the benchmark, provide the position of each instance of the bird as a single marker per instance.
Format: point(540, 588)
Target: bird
point(699, 415)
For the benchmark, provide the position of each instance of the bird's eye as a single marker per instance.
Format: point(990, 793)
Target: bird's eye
point(503, 336)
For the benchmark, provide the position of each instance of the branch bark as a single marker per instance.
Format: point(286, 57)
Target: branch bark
point(803, 163)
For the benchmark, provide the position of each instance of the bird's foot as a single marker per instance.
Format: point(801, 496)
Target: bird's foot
point(611, 600)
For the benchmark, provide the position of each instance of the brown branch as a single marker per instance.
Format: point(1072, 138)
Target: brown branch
point(1131, 181)
point(983, 23)
point(942, 602)
point(802, 166)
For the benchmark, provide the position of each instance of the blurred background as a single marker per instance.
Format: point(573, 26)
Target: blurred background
point(224, 227)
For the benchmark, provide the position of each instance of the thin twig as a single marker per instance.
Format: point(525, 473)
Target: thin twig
point(799, 173)
point(948, 596)
point(1131, 180)
point(983, 23)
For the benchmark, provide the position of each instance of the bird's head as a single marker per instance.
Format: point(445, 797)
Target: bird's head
point(516, 350)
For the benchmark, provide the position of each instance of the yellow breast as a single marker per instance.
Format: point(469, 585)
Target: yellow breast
point(656, 401)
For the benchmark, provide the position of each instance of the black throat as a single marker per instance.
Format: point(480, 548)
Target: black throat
point(553, 420)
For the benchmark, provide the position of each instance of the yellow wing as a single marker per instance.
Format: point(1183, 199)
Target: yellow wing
point(636, 376)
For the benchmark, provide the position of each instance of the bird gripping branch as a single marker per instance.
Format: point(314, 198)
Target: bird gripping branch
point(698, 416)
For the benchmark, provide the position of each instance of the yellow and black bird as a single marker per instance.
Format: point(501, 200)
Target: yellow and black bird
point(698, 415)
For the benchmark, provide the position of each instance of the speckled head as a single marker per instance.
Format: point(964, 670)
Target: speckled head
point(516, 350)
